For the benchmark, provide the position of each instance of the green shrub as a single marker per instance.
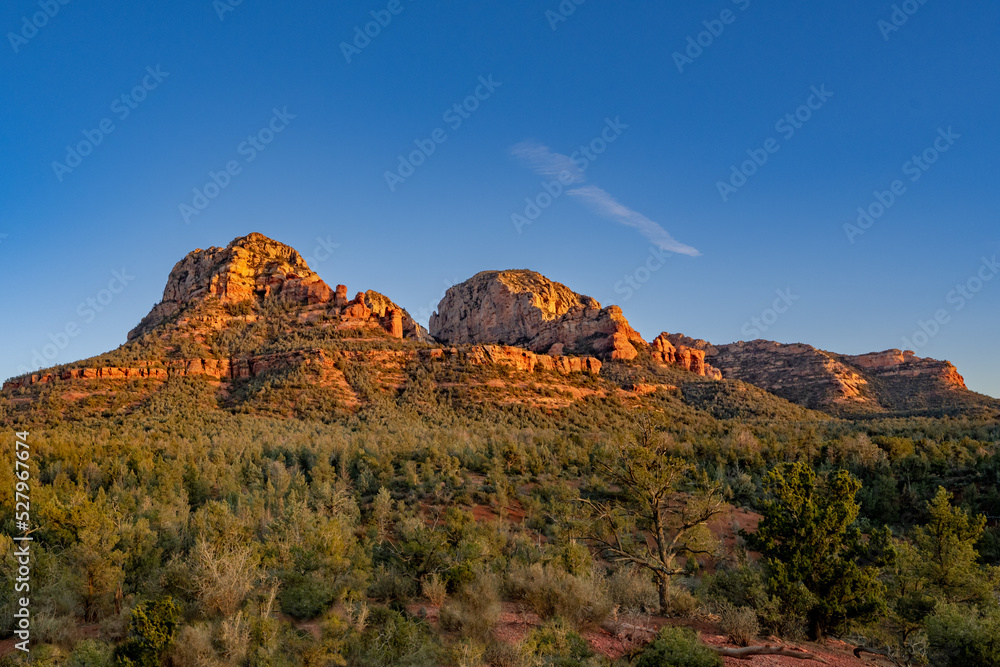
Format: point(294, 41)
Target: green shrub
point(151, 629)
point(678, 647)
point(241, 308)
point(392, 638)
point(391, 585)
point(556, 644)
point(961, 636)
point(744, 586)
point(305, 597)
point(91, 653)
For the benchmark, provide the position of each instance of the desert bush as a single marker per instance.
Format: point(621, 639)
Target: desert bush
point(392, 638)
point(390, 585)
point(502, 654)
point(42, 655)
point(90, 653)
point(114, 628)
point(556, 644)
point(434, 589)
point(744, 586)
point(475, 610)
point(234, 637)
point(678, 647)
point(680, 603)
point(554, 593)
point(49, 629)
point(224, 575)
point(468, 653)
point(739, 624)
point(194, 647)
point(632, 590)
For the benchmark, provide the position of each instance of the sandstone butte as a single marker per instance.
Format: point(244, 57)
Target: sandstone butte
point(526, 309)
point(516, 318)
point(254, 267)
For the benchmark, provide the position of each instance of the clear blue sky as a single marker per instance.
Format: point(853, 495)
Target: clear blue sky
point(887, 95)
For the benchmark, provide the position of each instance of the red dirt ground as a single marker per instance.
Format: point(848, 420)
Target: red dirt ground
point(631, 633)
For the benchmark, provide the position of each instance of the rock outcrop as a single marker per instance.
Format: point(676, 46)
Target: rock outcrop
point(524, 360)
point(674, 349)
point(253, 269)
point(890, 380)
point(250, 367)
point(392, 317)
point(526, 309)
point(905, 366)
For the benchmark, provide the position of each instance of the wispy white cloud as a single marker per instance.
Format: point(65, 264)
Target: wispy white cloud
point(606, 205)
point(544, 162)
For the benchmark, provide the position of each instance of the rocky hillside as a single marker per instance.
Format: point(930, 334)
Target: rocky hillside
point(254, 311)
point(894, 380)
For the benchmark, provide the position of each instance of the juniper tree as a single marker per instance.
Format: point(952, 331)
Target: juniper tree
point(817, 561)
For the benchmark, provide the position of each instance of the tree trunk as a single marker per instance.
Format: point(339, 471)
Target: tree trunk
point(815, 628)
point(663, 585)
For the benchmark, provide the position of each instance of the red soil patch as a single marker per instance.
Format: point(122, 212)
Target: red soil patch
point(623, 635)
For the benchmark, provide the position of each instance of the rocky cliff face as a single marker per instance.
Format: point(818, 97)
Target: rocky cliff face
point(253, 269)
point(250, 367)
point(675, 349)
point(393, 318)
point(527, 309)
point(891, 380)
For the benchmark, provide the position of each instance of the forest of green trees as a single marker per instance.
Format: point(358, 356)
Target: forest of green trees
point(182, 531)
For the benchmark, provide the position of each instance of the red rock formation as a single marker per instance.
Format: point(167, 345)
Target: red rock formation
point(526, 309)
point(890, 380)
point(901, 364)
point(340, 296)
point(525, 360)
point(668, 352)
point(356, 308)
point(250, 367)
point(251, 267)
point(394, 322)
point(382, 307)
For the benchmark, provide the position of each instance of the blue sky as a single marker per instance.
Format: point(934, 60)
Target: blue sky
point(667, 98)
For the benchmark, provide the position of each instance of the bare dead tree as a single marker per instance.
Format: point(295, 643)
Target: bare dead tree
point(661, 515)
